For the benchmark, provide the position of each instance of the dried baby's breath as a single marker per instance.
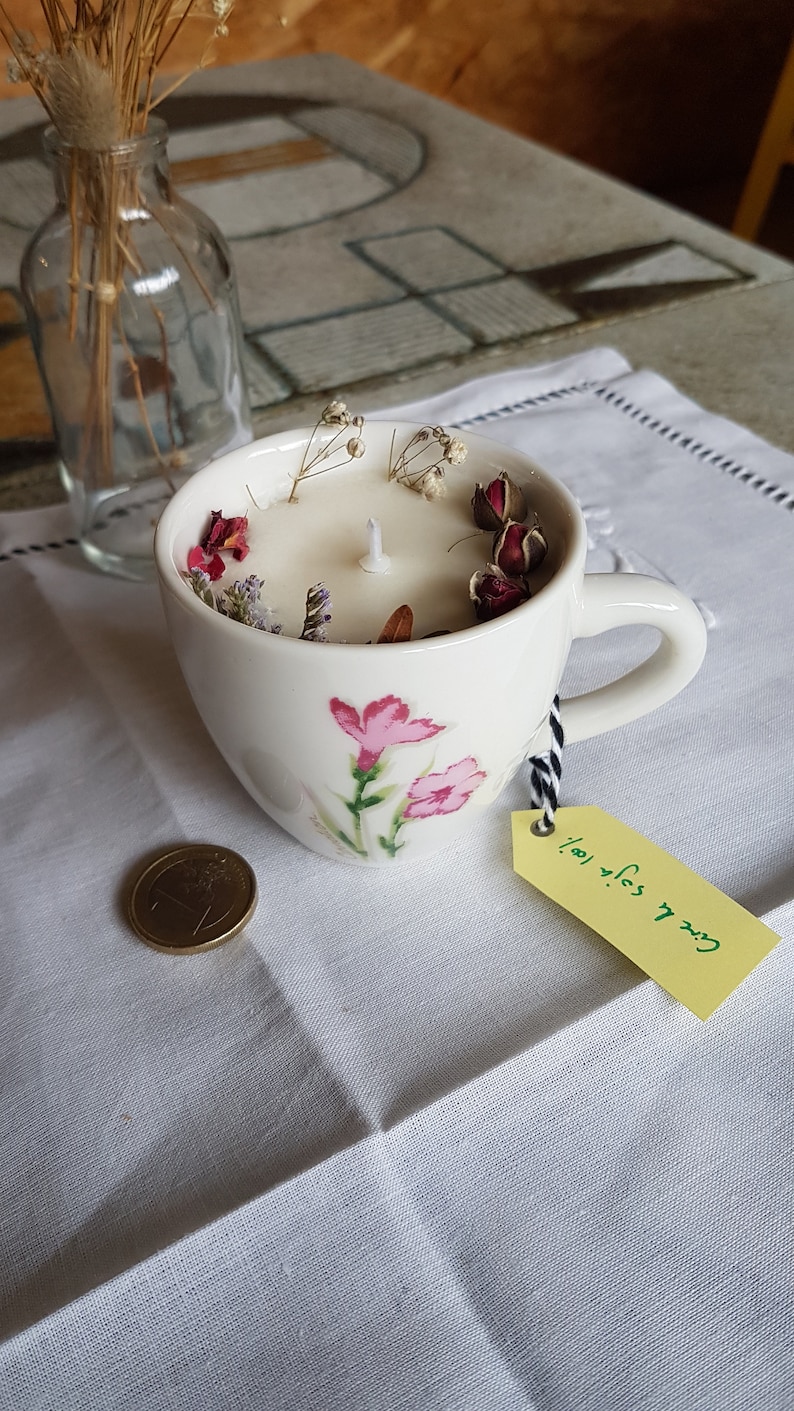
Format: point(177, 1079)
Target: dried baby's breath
point(427, 479)
point(335, 415)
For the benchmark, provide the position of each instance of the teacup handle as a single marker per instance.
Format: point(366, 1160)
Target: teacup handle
point(630, 600)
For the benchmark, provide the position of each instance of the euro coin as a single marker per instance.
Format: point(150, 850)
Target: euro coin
point(192, 899)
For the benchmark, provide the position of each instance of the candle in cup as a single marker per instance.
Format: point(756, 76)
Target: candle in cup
point(433, 544)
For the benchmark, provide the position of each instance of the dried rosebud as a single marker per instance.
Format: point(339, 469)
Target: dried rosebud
point(355, 447)
point(519, 548)
point(501, 501)
point(493, 593)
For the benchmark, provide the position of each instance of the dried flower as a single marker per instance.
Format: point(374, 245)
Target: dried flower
point(336, 414)
point(213, 567)
point(433, 486)
point(241, 603)
point(456, 451)
point(519, 548)
point(494, 594)
point(226, 534)
point(427, 480)
point(223, 535)
point(83, 101)
point(200, 581)
point(501, 501)
point(399, 626)
point(318, 614)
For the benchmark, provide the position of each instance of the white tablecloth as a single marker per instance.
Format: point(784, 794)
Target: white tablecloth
point(416, 1139)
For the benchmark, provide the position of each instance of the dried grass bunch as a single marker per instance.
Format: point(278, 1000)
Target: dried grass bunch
point(95, 74)
point(95, 77)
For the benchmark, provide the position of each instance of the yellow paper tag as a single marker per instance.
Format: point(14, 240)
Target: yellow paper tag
point(688, 936)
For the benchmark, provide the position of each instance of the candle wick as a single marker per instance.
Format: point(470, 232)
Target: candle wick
point(375, 561)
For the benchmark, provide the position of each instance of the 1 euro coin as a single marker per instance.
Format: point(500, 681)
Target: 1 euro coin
point(192, 899)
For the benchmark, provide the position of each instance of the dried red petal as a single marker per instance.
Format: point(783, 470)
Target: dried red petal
point(214, 568)
point(226, 533)
point(195, 558)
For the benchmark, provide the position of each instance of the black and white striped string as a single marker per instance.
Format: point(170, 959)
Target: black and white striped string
point(545, 775)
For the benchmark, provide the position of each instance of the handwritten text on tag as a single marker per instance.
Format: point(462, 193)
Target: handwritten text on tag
point(693, 940)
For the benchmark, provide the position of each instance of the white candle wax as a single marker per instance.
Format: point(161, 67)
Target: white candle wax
point(433, 547)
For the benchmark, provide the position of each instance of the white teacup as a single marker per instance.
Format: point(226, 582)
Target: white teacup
point(387, 752)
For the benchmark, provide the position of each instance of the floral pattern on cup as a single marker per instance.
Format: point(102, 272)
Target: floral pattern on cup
point(380, 727)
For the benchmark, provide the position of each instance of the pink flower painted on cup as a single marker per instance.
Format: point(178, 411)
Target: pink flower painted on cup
point(433, 794)
point(381, 724)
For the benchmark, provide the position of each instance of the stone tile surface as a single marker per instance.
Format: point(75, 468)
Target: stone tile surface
point(294, 277)
point(354, 347)
point(221, 137)
point(265, 387)
point(286, 196)
point(527, 206)
point(12, 245)
point(674, 265)
point(389, 148)
point(503, 309)
point(432, 258)
point(27, 193)
point(455, 302)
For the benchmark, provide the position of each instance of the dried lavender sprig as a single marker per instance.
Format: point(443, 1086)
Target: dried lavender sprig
point(318, 613)
point(242, 603)
point(200, 582)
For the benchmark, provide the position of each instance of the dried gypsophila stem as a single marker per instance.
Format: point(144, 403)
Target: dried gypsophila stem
point(427, 480)
point(335, 415)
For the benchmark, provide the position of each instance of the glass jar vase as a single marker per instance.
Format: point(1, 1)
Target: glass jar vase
point(132, 308)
